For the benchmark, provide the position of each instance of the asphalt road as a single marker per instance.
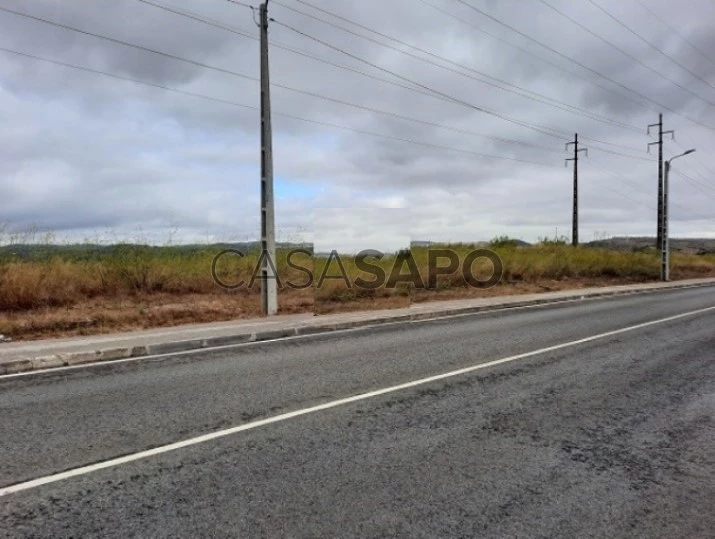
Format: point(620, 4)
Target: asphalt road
point(614, 436)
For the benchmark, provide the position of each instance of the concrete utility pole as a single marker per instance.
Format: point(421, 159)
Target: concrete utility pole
point(665, 249)
point(269, 288)
point(576, 150)
point(659, 125)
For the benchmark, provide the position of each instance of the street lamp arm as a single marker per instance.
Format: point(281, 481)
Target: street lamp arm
point(688, 152)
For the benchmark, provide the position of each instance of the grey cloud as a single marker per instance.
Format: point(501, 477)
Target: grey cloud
point(80, 151)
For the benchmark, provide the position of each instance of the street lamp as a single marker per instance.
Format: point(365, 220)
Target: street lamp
point(665, 249)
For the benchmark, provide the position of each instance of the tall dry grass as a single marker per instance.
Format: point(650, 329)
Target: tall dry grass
point(63, 278)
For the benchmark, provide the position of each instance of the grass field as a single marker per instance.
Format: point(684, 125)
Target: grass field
point(50, 291)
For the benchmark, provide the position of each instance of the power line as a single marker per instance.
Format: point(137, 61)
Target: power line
point(650, 160)
point(695, 183)
point(676, 32)
point(638, 188)
point(248, 77)
point(305, 54)
point(405, 87)
point(582, 65)
point(124, 78)
point(620, 177)
point(518, 90)
point(694, 157)
point(286, 115)
point(294, 117)
point(615, 145)
point(651, 45)
point(201, 19)
point(535, 127)
point(211, 22)
point(240, 4)
point(281, 86)
point(627, 54)
point(127, 44)
point(430, 90)
point(414, 120)
point(614, 175)
point(420, 143)
point(531, 53)
point(704, 178)
point(705, 167)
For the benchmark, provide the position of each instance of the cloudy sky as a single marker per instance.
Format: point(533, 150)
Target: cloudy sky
point(439, 120)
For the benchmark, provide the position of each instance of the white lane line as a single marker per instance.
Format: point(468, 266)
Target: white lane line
point(84, 470)
point(328, 332)
point(182, 353)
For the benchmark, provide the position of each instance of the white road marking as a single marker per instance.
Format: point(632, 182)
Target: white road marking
point(182, 353)
point(437, 318)
point(84, 470)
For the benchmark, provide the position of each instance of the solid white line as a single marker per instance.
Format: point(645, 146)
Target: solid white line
point(176, 354)
point(84, 470)
point(437, 318)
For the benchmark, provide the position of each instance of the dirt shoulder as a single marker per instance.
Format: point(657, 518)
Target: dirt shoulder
point(145, 311)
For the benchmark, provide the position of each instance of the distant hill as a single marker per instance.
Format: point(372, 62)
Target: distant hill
point(89, 251)
point(682, 245)
point(512, 241)
point(522, 243)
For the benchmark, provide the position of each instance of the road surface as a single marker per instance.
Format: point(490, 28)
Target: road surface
point(586, 419)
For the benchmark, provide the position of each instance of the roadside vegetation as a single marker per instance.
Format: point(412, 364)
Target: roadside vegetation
point(48, 289)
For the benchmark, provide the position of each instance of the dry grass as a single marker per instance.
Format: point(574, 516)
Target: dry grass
point(132, 287)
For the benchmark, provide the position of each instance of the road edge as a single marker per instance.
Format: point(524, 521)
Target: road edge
point(67, 359)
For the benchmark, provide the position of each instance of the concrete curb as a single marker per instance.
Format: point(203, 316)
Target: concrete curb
point(27, 364)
